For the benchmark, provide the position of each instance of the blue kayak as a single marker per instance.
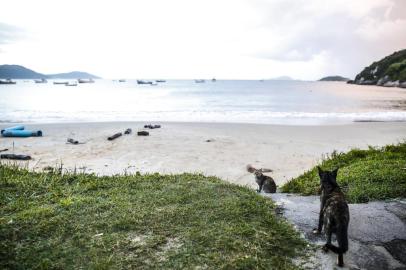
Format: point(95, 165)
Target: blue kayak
point(21, 133)
point(13, 128)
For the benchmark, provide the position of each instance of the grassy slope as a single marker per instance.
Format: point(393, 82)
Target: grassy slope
point(142, 221)
point(364, 175)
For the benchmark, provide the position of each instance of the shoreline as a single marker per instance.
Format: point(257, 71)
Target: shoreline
point(219, 149)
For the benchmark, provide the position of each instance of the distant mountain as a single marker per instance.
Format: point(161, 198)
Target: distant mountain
point(20, 72)
point(73, 75)
point(334, 79)
point(389, 71)
point(282, 78)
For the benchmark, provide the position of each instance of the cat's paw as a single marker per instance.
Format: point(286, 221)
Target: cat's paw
point(316, 231)
point(325, 248)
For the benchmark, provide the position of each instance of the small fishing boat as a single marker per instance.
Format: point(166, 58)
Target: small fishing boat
point(7, 81)
point(158, 81)
point(200, 81)
point(153, 83)
point(61, 83)
point(41, 81)
point(86, 80)
point(143, 82)
point(213, 80)
point(71, 84)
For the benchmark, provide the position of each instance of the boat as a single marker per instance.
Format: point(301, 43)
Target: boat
point(7, 81)
point(61, 83)
point(71, 84)
point(19, 131)
point(86, 80)
point(153, 83)
point(158, 81)
point(122, 80)
point(143, 82)
point(213, 80)
point(200, 81)
point(41, 81)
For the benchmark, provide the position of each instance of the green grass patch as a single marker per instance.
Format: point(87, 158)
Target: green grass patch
point(364, 175)
point(187, 221)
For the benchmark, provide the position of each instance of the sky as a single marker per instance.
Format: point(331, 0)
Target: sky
point(189, 39)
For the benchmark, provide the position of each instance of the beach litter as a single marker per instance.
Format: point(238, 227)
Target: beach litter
point(15, 157)
point(19, 131)
point(115, 136)
point(143, 133)
point(72, 141)
point(152, 126)
point(128, 131)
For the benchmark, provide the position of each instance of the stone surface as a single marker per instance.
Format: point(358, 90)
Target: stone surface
point(377, 231)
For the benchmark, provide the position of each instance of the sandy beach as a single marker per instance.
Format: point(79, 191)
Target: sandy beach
point(222, 150)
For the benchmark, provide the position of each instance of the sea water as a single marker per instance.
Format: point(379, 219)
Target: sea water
point(235, 101)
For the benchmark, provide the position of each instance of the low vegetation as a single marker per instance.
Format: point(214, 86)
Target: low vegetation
point(187, 221)
point(364, 175)
point(393, 66)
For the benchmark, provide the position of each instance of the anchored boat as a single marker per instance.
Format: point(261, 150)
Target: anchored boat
point(86, 80)
point(7, 81)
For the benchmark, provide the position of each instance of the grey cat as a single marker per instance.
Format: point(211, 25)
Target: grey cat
point(264, 182)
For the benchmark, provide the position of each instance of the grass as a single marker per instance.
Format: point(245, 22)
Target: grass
point(364, 175)
point(187, 221)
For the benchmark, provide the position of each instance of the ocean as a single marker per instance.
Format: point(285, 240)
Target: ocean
point(230, 101)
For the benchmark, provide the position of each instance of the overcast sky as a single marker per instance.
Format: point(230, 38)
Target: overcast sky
point(236, 39)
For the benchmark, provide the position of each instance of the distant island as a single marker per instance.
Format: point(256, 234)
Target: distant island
point(389, 71)
point(20, 72)
point(334, 79)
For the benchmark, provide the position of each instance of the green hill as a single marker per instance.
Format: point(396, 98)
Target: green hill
point(334, 79)
point(20, 72)
point(73, 75)
point(389, 71)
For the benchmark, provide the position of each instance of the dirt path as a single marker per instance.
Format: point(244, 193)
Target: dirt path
point(377, 232)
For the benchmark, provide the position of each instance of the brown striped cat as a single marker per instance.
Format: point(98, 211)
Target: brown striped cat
point(334, 214)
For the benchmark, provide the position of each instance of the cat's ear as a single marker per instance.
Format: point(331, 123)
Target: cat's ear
point(320, 172)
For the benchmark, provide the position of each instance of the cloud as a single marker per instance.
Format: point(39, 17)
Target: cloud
point(9, 33)
point(185, 39)
point(347, 33)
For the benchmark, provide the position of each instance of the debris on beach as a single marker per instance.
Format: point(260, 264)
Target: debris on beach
point(15, 157)
point(152, 126)
point(115, 136)
point(72, 141)
point(128, 131)
point(143, 133)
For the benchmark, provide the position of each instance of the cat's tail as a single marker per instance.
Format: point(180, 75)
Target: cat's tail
point(251, 169)
point(342, 239)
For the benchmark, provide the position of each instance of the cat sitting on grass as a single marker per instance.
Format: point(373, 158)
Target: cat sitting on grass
point(334, 214)
point(264, 182)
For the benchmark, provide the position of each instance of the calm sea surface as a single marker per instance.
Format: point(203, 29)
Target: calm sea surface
point(271, 102)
